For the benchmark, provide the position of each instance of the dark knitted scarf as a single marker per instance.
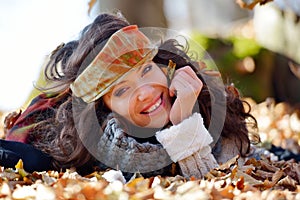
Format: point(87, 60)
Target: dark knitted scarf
point(118, 150)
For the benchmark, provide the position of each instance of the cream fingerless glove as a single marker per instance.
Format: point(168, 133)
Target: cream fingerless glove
point(188, 144)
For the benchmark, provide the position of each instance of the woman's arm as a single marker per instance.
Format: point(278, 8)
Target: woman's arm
point(188, 144)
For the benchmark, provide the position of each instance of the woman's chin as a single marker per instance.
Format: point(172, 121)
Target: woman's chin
point(157, 122)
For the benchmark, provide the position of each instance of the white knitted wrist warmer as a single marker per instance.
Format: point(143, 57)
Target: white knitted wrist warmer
point(186, 138)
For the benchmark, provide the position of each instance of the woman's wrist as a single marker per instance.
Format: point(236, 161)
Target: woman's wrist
point(185, 138)
point(198, 164)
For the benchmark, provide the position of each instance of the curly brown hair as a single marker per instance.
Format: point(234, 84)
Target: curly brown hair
point(57, 134)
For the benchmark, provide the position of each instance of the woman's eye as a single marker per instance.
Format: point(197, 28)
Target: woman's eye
point(120, 91)
point(146, 69)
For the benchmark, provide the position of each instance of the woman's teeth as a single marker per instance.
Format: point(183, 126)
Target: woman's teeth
point(154, 107)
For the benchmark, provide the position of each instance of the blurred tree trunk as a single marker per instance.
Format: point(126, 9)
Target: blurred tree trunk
point(144, 13)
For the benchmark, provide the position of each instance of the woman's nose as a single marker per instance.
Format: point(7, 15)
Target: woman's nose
point(145, 92)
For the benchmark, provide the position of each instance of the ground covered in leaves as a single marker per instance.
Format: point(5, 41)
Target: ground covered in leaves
point(256, 179)
point(267, 178)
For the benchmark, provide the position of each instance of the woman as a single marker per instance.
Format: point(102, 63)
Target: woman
point(117, 102)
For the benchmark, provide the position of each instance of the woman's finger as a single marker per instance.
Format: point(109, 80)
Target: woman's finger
point(189, 71)
point(183, 81)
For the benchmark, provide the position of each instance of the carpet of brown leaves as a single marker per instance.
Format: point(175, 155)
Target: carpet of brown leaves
point(255, 179)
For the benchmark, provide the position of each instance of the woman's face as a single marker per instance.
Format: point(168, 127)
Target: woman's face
point(142, 97)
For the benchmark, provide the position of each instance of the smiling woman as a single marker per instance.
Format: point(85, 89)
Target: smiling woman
point(116, 102)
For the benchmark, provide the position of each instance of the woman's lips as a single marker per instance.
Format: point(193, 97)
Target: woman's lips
point(153, 107)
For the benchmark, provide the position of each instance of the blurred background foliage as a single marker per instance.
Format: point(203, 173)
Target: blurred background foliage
point(250, 50)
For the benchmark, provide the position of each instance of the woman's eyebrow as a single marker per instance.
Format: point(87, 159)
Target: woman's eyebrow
point(137, 71)
point(119, 83)
point(143, 66)
point(139, 68)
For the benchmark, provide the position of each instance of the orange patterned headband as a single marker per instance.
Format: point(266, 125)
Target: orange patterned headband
point(125, 50)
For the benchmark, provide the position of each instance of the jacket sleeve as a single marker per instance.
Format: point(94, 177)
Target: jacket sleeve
point(188, 144)
point(34, 160)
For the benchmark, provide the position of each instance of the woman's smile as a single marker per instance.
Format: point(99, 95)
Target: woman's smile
point(153, 106)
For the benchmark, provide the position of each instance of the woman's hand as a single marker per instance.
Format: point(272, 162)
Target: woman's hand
point(186, 86)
